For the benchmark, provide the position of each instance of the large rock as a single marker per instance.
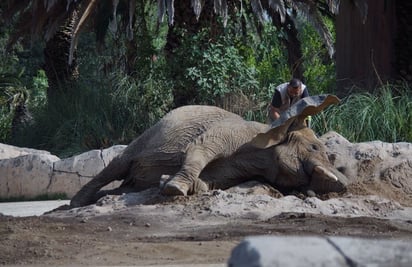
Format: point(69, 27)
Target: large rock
point(29, 173)
point(368, 159)
point(386, 168)
point(71, 174)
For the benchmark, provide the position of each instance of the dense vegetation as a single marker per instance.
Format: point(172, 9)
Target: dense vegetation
point(109, 104)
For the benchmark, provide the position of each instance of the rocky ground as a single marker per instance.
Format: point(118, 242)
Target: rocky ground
point(149, 229)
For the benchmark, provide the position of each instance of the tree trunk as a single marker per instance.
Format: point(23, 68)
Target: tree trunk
point(59, 73)
point(403, 49)
point(365, 53)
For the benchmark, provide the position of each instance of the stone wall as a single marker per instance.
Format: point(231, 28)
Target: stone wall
point(29, 173)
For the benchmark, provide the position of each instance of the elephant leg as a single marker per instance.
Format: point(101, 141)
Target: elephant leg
point(117, 169)
point(186, 180)
point(214, 143)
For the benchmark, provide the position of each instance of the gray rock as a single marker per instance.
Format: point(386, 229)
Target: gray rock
point(8, 151)
point(28, 175)
point(271, 251)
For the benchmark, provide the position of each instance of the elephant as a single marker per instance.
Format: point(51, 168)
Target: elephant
point(196, 148)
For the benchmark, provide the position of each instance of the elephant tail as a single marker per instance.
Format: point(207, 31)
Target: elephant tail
point(117, 169)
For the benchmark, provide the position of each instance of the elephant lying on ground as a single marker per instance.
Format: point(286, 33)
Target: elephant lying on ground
point(197, 148)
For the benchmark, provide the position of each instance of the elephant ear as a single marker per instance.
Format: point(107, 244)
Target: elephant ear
point(293, 119)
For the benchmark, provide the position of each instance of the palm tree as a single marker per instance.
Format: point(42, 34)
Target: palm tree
point(55, 21)
point(59, 24)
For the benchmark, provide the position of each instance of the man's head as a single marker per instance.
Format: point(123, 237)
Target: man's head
point(294, 87)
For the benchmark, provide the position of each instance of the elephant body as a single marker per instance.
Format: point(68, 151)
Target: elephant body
point(197, 148)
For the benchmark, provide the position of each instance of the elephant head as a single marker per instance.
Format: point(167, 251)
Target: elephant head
point(301, 159)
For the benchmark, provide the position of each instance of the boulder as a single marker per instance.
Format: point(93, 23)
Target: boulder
point(385, 168)
point(70, 174)
point(26, 176)
point(367, 159)
point(8, 151)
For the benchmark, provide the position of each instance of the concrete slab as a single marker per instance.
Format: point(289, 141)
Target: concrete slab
point(270, 251)
point(30, 208)
point(267, 251)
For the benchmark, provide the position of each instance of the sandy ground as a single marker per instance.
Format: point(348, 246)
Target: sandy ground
point(149, 229)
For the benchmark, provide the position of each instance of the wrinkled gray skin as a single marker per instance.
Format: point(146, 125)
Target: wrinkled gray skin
point(197, 148)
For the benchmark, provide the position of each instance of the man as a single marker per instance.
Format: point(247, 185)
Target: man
point(285, 96)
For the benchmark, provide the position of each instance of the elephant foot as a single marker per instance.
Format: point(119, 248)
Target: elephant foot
point(174, 188)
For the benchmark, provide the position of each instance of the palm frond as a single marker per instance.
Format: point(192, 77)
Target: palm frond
point(161, 10)
point(362, 6)
point(333, 6)
point(170, 11)
point(257, 9)
point(279, 7)
point(129, 27)
point(86, 11)
point(197, 6)
point(49, 4)
point(113, 21)
point(220, 7)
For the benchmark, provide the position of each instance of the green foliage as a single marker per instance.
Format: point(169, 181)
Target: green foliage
point(18, 85)
point(12, 95)
point(270, 57)
point(219, 70)
point(38, 89)
point(319, 68)
point(98, 115)
point(383, 116)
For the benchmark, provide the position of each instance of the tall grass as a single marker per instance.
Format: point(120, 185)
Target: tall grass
point(384, 115)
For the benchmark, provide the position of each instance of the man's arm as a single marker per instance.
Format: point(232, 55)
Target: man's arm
point(274, 111)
